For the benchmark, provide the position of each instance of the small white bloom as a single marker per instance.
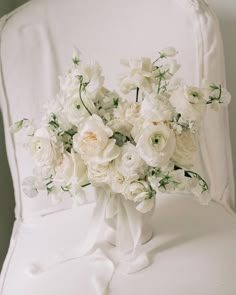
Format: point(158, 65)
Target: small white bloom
point(99, 174)
point(117, 180)
point(138, 74)
point(168, 52)
point(225, 98)
point(186, 148)
point(170, 69)
point(72, 169)
point(43, 148)
point(157, 108)
point(137, 190)
point(93, 141)
point(92, 74)
point(130, 112)
point(121, 126)
point(146, 205)
point(74, 109)
point(189, 102)
point(156, 145)
point(129, 163)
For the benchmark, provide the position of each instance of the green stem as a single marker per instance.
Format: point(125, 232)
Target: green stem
point(80, 88)
point(137, 92)
point(87, 184)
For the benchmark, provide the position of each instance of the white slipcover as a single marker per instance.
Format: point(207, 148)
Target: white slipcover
point(36, 45)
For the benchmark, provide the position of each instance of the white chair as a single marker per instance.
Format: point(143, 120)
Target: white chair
point(193, 249)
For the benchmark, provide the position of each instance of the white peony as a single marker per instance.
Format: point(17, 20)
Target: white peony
point(93, 141)
point(157, 108)
point(128, 111)
point(43, 147)
point(71, 169)
point(156, 145)
point(186, 148)
point(138, 74)
point(129, 163)
point(189, 102)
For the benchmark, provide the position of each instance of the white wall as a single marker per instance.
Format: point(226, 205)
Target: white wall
point(226, 11)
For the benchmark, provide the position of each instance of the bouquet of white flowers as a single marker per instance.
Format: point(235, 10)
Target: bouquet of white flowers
point(134, 146)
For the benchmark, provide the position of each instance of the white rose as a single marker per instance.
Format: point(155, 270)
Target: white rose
point(43, 148)
point(137, 190)
point(93, 141)
point(129, 163)
point(168, 52)
point(156, 145)
point(72, 169)
point(99, 174)
point(138, 74)
point(186, 148)
point(157, 108)
point(189, 102)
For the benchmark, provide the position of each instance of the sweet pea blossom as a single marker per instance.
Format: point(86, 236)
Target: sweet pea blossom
point(138, 74)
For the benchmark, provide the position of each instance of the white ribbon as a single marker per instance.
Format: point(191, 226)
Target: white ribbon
point(127, 231)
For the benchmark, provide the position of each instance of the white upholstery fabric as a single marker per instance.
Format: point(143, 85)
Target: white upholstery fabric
point(193, 252)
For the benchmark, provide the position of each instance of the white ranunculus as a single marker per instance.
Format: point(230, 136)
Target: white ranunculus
point(156, 145)
point(75, 111)
point(93, 141)
point(71, 169)
point(138, 74)
point(189, 102)
point(129, 163)
point(136, 190)
point(43, 147)
point(157, 108)
point(99, 174)
point(146, 205)
point(168, 52)
point(186, 148)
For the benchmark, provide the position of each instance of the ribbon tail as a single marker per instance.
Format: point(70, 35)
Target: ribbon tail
point(95, 226)
point(103, 270)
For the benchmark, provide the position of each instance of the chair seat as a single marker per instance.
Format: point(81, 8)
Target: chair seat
point(192, 252)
